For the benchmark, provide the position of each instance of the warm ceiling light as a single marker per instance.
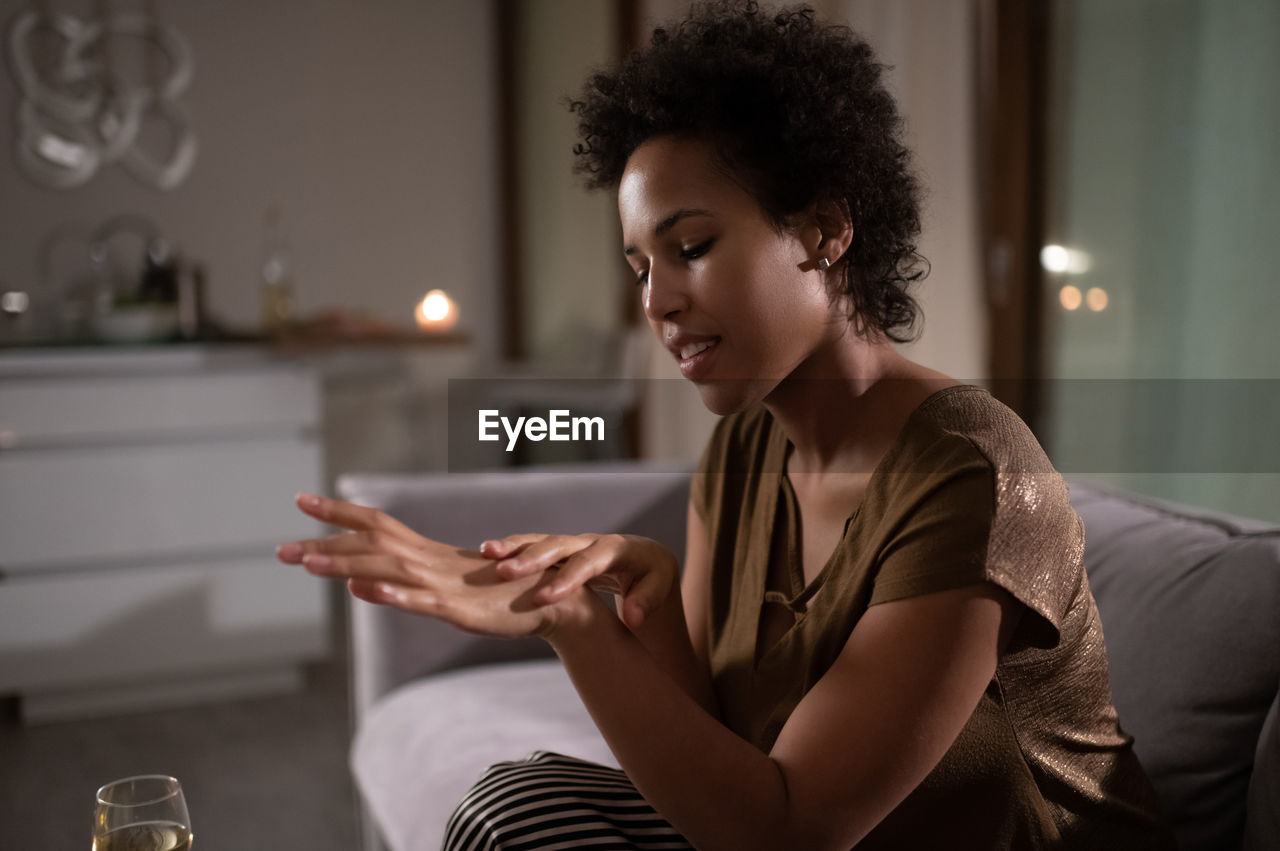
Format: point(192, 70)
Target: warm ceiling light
point(1070, 297)
point(1096, 298)
point(1062, 260)
point(1054, 258)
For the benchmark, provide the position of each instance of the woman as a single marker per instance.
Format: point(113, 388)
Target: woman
point(882, 635)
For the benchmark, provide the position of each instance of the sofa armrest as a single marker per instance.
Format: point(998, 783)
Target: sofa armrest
point(389, 647)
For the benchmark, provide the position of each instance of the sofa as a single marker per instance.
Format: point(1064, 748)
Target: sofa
point(1189, 599)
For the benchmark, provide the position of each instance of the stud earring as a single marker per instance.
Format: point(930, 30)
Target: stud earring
point(824, 263)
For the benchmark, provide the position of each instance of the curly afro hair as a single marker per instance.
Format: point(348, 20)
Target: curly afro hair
point(797, 112)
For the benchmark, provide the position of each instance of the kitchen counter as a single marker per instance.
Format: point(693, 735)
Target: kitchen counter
point(56, 358)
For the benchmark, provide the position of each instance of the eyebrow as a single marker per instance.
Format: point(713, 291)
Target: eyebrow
point(667, 224)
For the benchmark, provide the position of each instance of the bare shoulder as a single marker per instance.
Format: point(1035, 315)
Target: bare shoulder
point(909, 385)
point(923, 382)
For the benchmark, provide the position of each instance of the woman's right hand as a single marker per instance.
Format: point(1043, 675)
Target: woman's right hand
point(640, 571)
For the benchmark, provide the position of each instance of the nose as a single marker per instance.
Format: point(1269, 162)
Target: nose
point(665, 295)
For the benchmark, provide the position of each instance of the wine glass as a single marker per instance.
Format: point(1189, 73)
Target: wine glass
point(144, 813)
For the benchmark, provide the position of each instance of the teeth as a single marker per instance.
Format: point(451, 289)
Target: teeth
point(693, 348)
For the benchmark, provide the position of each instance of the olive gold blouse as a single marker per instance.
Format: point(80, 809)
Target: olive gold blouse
point(964, 495)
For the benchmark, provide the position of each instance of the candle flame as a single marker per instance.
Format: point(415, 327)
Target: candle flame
point(436, 312)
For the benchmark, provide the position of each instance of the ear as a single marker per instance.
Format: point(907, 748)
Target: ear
point(828, 233)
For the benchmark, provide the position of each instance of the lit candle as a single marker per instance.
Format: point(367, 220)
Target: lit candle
point(436, 312)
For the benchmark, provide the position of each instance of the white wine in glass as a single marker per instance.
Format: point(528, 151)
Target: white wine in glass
point(145, 813)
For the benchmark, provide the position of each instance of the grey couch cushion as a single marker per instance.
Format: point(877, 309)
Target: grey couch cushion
point(1262, 832)
point(425, 744)
point(1190, 605)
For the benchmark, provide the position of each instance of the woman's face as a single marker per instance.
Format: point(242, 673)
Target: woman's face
point(739, 304)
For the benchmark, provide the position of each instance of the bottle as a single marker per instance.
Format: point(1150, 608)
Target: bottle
point(277, 275)
point(192, 324)
point(159, 274)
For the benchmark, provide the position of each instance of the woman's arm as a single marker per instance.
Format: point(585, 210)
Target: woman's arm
point(675, 633)
point(868, 733)
point(864, 736)
point(666, 612)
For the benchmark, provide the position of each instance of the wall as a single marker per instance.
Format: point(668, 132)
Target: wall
point(375, 125)
point(372, 123)
point(930, 48)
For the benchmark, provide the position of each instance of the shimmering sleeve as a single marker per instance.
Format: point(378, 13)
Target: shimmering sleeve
point(984, 519)
point(1036, 549)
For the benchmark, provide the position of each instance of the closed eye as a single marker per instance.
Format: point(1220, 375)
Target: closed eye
point(691, 253)
point(696, 251)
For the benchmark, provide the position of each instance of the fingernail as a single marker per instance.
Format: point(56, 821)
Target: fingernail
point(317, 561)
point(307, 500)
point(289, 552)
point(391, 592)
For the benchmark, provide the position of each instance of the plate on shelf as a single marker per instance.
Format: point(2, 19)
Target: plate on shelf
point(136, 324)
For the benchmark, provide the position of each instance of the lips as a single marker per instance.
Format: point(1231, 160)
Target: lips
point(678, 342)
point(692, 349)
point(695, 354)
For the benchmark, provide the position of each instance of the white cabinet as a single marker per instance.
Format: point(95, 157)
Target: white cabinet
point(141, 496)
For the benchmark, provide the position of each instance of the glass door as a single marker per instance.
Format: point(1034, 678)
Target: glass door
point(1163, 226)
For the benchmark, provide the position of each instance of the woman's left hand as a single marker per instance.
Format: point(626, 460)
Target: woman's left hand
point(386, 562)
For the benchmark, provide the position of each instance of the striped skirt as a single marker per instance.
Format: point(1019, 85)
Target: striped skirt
point(547, 800)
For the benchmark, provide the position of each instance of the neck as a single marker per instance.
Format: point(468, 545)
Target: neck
point(840, 407)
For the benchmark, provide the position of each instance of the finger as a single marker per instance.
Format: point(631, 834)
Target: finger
point(539, 556)
point(579, 569)
point(416, 601)
point(371, 591)
point(503, 547)
point(643, 597)
point(357, 518)
point(378, 567)
point(494, 549)
point(345, 543)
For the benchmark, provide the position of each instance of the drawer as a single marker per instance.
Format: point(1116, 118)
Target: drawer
point(80, 507)
point(40, 411)
point(101, 628)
